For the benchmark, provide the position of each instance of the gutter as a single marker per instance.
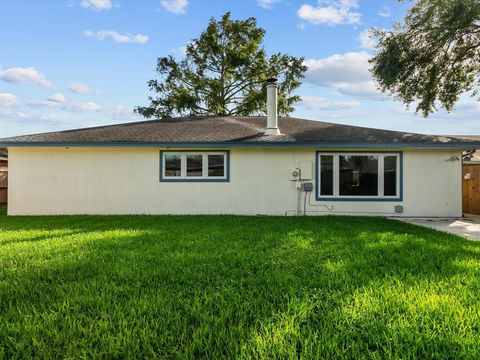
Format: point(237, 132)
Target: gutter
point(285, 144)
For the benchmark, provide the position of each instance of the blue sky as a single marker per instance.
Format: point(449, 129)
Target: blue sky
point(78, 63)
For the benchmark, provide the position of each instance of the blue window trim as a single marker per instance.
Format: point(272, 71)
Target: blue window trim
point(373, 199)
point(225, 179)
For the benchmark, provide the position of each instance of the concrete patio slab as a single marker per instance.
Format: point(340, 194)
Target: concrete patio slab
point(467, 227)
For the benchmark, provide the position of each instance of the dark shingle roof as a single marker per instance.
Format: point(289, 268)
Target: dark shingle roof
point(221, 130)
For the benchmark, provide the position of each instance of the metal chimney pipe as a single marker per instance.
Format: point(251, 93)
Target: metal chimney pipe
point(272, 117)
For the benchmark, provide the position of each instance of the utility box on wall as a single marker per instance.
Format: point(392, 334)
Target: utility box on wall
point(306, 187)
point(306, 170)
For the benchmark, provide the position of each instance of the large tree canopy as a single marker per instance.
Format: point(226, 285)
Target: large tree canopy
point(223, 73)
point(433, 57)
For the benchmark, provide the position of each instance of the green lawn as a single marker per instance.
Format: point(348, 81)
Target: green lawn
point(237, 287)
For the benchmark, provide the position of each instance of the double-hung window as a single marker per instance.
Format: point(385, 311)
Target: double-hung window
point(356, 176)
point(194, 166)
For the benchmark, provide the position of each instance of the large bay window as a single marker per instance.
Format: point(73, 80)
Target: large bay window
point(194, 166)
point(356, 176)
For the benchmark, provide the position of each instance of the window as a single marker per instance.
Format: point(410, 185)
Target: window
point(344, 176)
point(172, 165)
point(194, 166)
point(358, 175)
point(216, 165)
point(326, 175)
point(390, 175)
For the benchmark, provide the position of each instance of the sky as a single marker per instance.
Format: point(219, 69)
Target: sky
point(80, 63)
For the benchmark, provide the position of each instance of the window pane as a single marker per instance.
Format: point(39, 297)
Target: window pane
point(173, 164)
point(358, 175)
point(390, 176)
point(194, 165)
point(326, 175)
point(216, 165)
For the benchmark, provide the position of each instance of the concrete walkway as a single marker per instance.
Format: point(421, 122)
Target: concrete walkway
point(468, 226)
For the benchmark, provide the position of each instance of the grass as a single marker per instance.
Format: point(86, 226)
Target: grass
point(236, 287)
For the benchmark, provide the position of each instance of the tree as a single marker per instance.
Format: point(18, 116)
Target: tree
point(433, 57)
point(223, 73)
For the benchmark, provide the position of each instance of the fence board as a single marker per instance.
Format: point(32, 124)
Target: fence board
point(471, 188)
point(3, 182)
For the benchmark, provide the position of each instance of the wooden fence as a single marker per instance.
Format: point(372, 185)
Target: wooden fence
point(471, 188)
point(3, 183)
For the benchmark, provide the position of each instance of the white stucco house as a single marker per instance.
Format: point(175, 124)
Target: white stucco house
point(235, 165)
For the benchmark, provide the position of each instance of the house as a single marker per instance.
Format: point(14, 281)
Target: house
point(3, 176)
point(236, 165)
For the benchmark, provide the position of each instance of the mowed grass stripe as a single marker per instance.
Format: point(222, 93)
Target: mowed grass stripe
point(235, 287)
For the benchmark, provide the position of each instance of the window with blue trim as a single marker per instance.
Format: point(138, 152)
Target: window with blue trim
point(194, 166)
point(358, 175)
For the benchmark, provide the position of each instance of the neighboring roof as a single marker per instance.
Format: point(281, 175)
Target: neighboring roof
point(228, 131)
point(466, 137)
point(475, 157)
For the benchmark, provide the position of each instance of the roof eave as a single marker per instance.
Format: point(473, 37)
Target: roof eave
point(226, 144)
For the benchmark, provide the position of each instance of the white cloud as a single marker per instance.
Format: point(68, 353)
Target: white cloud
point(58, 101)
point(42, 103)
point(180, 52)
point(175, 6)
point(347, 73)
point(96, 5)
point(57, 98)
point(467, 104)
point(54, 101)
point(82, 107)
point(331, 12)
point(116, 37)
point(49, 115)
point(8, 100)
point(34, 118)
point(121, 112)
point(385, 12)
point(339, 68)
point(319, 103)
point(364, 89)
point(267, 4)
point(79, 88)
point(366, 40)
point(11, 115)
point(28, 75)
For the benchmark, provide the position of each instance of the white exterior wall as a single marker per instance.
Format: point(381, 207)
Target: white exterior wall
point(126, 181)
